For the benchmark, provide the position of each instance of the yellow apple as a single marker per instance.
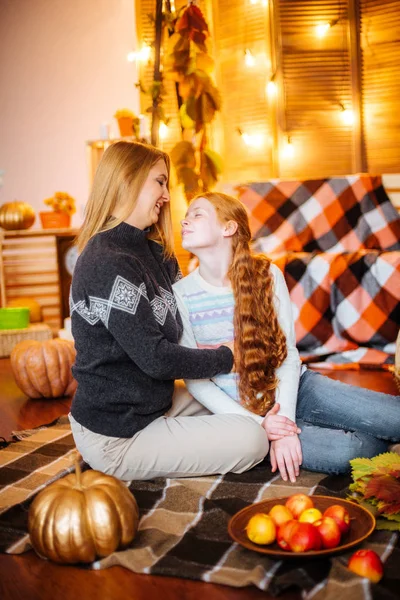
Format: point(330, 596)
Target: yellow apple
point(261, 529)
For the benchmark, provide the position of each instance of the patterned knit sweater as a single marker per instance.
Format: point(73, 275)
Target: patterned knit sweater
point(126, 329)
point(207, 314)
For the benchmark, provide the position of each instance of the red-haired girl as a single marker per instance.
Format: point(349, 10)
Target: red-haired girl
point(237, 296)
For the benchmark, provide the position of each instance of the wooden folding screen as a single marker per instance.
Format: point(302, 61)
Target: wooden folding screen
point(380, 42)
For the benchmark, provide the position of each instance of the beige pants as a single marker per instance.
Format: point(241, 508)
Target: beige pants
point(187, 441)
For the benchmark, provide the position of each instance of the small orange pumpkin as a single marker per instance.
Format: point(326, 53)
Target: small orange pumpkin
point(43, 369)
point(35, 311)
point(81, 517)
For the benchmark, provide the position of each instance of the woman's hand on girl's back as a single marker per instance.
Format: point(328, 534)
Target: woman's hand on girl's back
point(278, 426)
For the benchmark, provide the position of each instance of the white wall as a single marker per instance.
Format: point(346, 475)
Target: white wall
point(63, 72)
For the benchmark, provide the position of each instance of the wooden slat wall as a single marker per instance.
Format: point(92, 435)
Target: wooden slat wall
point(30, 269)
point(316, 79)
point(237, 25)
point(380, 35)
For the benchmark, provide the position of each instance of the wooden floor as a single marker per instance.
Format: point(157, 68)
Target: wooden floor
point(28, 577)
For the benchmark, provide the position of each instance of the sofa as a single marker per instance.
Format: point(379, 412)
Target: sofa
point(337, 241)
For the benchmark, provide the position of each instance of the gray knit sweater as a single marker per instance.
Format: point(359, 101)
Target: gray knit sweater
point(126, 330)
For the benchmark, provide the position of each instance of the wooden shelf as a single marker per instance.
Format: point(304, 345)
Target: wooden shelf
point(35, 232)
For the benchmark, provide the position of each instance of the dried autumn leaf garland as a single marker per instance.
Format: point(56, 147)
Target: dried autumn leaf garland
point(189, 65)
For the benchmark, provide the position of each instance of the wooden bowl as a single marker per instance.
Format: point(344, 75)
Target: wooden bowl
point(362, 525)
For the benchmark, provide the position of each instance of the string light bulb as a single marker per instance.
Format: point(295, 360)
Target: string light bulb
point(163, 130)
point(288, 148)
point(252, 140)
point(322, 28)
point(271, 87)
point(249, 59)
point(142, 55)
point(347, 115)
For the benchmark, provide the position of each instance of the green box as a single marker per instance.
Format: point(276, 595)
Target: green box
point(14, 318)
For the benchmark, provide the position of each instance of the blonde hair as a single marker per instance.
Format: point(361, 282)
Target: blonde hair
point(119, 178)
point(260, 344)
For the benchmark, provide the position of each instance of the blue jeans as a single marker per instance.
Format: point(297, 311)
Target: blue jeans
point(339, 422)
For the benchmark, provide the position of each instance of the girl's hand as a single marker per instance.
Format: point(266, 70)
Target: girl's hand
point(285, 454)
point(277, 426)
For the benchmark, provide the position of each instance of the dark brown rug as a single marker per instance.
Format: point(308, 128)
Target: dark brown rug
point(183, 526)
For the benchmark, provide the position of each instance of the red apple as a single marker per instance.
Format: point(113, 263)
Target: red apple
point(298, 503)
point(280, 514)
point(341, 516)
point(304, 537)
point(329, 532)
point(366, 563)
point(283, 534)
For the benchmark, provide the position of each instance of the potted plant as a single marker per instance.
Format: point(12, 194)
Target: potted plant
point(63, 206)
point(128, 123)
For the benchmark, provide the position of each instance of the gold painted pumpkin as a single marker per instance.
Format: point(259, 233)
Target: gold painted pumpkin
point(16, 215)
point(82, 517)
point(43, 369)
point(35, 310)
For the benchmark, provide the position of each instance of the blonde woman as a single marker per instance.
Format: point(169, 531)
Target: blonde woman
point(237, 295)
point(126, 328)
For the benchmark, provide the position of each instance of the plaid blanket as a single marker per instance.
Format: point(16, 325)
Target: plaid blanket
point(326, 215)
point(183, 526)
point(346, 306)
point(337, 241)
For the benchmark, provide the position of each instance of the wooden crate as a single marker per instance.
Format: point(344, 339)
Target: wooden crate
point(31, 265)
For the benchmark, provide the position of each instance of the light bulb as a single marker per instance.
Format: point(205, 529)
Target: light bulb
point(144, 53)
point(249, 60)
point(347, 116)
point(288, 149)
point(254, 140)
point(271, 88)
point(163, 130)
point(322, 29)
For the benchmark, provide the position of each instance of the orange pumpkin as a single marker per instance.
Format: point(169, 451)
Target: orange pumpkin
point(35, 311)
point(43, 369)
point(81, 517)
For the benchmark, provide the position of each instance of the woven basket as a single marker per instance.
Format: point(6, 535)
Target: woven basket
point(10, 337)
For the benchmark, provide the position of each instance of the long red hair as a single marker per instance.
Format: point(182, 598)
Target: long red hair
point(260, 344)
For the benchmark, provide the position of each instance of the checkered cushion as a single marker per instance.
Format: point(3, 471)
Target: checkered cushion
point(342, 301)
point(336, 215)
